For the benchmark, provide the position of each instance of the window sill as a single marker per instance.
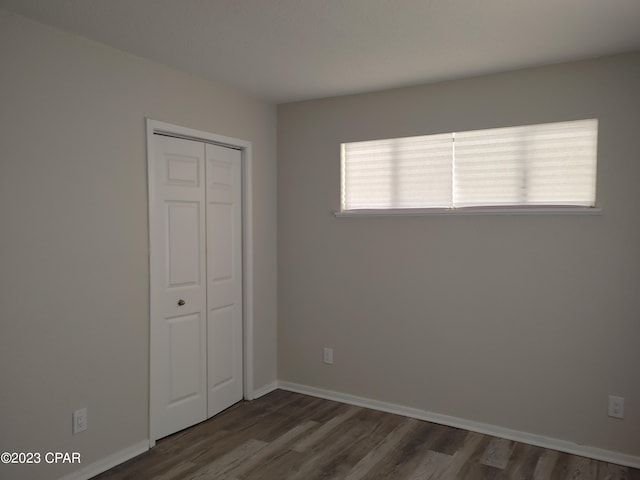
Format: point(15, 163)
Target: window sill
point(427, 212)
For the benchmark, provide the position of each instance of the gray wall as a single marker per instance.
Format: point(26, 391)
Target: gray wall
point(522, 322)
point(74, 236)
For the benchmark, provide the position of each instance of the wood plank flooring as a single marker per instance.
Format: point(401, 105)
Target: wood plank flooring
point(288, 436)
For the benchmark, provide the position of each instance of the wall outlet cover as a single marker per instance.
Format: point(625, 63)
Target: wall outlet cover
point(327, 355)
point(79, 421)
point(616, 406)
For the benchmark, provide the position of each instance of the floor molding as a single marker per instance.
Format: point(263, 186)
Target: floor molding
point(264, 390)
point(106, 463)
point(515, 435)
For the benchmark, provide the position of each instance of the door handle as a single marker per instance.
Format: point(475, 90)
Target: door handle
point(181, 302)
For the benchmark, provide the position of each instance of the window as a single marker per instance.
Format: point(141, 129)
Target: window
point(551, 164)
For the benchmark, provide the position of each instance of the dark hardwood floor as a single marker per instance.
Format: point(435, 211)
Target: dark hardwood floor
point(288, 436)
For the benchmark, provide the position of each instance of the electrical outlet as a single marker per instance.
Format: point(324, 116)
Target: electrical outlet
point(616, 406)
point(79, 421)
point(327, 355)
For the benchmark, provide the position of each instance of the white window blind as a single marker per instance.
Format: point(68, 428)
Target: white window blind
point(413, 172)
point(548, 164)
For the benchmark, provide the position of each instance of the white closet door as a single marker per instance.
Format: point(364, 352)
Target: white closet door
point(224, 277)
point(195, 218)
point(178, 333)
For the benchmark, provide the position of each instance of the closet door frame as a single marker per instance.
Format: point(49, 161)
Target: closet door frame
point(158, 127)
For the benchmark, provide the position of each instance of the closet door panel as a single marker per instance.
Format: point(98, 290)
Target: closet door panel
point(177, 206)
point(224, 276)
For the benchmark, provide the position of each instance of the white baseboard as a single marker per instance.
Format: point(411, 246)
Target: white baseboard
point(106, 463)
point(515, 435)
point(264, 390)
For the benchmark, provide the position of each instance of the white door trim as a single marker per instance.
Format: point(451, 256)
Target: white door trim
point(155, 126)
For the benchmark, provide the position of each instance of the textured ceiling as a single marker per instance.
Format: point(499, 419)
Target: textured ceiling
point(286, 50)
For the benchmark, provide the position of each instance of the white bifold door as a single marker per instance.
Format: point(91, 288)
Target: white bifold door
point(195, 217)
